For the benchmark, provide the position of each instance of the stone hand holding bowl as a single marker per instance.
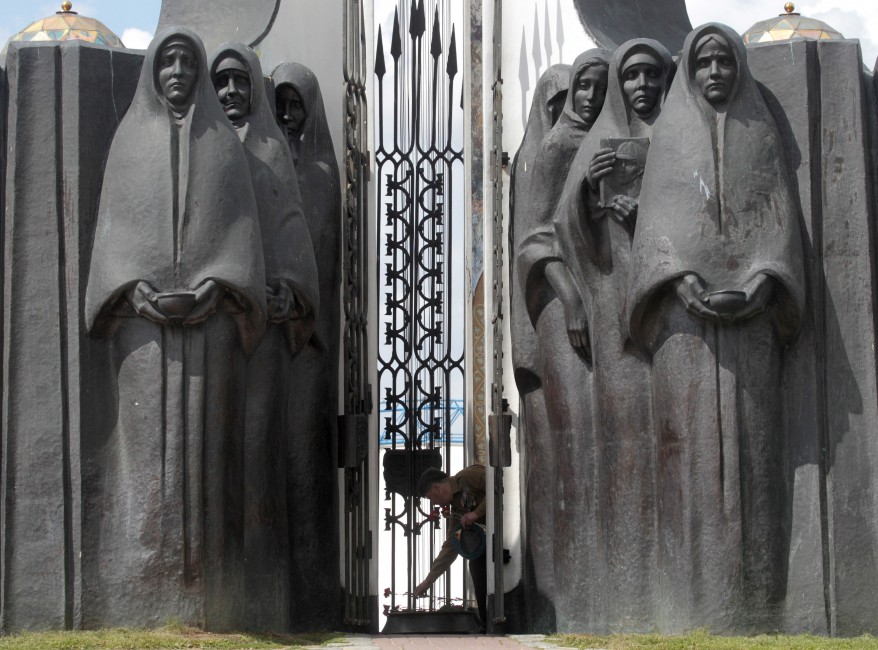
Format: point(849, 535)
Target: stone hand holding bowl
point(727, 303)
point(176, 305)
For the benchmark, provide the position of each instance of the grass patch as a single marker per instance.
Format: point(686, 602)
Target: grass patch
point(175, 637)
point(701, 640)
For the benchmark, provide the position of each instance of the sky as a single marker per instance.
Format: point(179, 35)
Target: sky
point(135, 20)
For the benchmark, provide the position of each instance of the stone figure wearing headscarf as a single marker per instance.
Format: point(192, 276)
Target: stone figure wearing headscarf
point(716, 291)
point(314, 389)
point(177, 286)
point(544, 114)
point(613, 587)
point(549, 99)
point(547, 287)
point(293, 302)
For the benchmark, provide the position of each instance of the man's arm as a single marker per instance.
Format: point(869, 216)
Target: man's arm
point(443, 560)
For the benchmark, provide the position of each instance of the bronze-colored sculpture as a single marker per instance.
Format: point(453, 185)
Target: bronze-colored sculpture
point(611, 585)
point(315, 371)
point(293, 302)
point(550, 96)
point(177, 284)
point(716, 291)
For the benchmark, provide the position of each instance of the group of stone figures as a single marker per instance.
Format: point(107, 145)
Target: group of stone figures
point(213, 280)
point(659, 276)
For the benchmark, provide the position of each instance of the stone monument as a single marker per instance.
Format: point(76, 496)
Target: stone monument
point(729, 464)
point(550, 96)
point(315, 371)
point(607, 478)
point(177, 288)
point(293, 303)
point(713, 311)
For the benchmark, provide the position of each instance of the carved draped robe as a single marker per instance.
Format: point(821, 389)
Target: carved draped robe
point(564, 375)
point(312, 463)
point(611, 584)
point(533, 420)
point(717, 202)
point(164, 523)
point(271, 411)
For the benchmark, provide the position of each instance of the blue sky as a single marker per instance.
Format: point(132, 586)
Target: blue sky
point(118, 15)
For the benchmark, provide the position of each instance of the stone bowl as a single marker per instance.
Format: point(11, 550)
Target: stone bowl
point(726, 303)
point(176, 306)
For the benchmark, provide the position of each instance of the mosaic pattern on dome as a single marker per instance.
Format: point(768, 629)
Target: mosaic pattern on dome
point(69, 26)
point(790, 27)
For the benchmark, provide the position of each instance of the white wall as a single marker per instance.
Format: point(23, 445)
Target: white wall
point(311, 32)
point(559, 41)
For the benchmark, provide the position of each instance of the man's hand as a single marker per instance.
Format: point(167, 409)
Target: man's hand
point(421, 589)
point(467, 519)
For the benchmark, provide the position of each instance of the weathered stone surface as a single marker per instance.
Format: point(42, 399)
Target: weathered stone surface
point(847, 241)
point(808, 559)
point(789, 81)
point(314, 379)
point(273, 406)
point(177, 291)
point(611, 584)
point(65, 103)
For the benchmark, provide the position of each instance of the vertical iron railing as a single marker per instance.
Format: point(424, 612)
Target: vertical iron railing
point(501, 420)
point(419, 160)
point(358, 397)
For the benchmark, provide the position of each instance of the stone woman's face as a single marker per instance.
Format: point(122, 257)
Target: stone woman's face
point(589, 93)
point(642, 82)
point(177, 72)
point(715, 70)
point(233, 88)
point(291, 110)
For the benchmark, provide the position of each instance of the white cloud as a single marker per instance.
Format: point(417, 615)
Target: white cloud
point(136, 39)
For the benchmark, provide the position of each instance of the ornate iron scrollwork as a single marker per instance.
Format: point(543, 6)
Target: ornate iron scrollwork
point(420, 167)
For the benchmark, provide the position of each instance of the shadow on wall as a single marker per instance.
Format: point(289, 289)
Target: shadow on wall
point(552, 38)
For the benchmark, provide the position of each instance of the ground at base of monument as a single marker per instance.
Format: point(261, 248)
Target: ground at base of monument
point(169, 638)
point(178, 637)
point(701, 640)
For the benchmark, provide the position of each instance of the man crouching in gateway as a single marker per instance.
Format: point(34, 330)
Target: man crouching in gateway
point(465, 493)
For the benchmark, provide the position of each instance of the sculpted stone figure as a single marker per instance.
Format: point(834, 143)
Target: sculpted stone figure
point(177, 287)
point(548, 288)
point(611, 585)
point(550, 96)
point(293, 301)
point(716, 291)
point(544, 114)
point(314, 387)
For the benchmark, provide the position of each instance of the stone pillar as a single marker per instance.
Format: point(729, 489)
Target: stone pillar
point(817, 93)
point(850, 442)
point(65, 101)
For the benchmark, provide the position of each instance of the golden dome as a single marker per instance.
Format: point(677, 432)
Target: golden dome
point(67, 25)
point(790, 27)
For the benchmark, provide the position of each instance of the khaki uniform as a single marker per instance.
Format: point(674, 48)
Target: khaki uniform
point(468, 488)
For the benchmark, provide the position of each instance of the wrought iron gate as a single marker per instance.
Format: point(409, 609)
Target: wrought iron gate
point(421, 374)
point(354, 425)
